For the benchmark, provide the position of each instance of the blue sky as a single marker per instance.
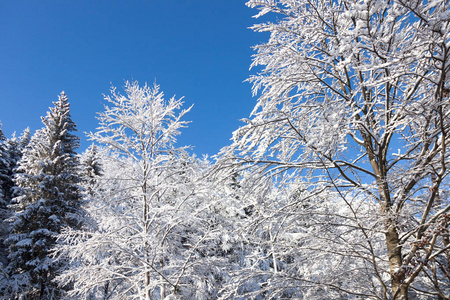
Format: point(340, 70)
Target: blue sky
point(197, 49)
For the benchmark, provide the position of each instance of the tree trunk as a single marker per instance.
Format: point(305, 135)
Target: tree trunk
point(163, 289)
point(394, 249)
point(145, 236)
point(399, 290)
point(147, 284)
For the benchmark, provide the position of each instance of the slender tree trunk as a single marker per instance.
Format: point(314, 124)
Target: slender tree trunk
point(146, 255)
point(147, 284)
point(106, 291)
point(163, 289)
point(274, 259)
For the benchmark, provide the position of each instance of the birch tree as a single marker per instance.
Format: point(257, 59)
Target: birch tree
point(354, 97)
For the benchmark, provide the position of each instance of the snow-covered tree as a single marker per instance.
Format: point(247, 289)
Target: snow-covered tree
point(14, 148)
point(150, 230)
point(355, 100)
point(304, 244)
point(48, 200)
point(10, 154)
point(4, 167)
point(4, 212)
point(91, 169)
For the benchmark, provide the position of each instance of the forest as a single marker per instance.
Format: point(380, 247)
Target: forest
point(335, 187)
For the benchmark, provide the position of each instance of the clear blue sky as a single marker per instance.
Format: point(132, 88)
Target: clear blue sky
point(197, 49)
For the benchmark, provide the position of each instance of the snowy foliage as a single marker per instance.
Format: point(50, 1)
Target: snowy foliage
point(149, 227)
point(48, 200)
point(343, 85)
point(14, 147)
point(5, 163)
point(91, 170)
point(185, 242)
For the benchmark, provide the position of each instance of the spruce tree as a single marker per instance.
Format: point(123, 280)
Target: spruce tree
point(4, 212)
point(48, 200)
point(4, 167)
point(91, 170)
point(14, 148)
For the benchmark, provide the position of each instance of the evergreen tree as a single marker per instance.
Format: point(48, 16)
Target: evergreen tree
point(10, 154)
point(4, 212)
point(14, 147)
point(48, 200)
point(91, 169)
point(4, 167)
